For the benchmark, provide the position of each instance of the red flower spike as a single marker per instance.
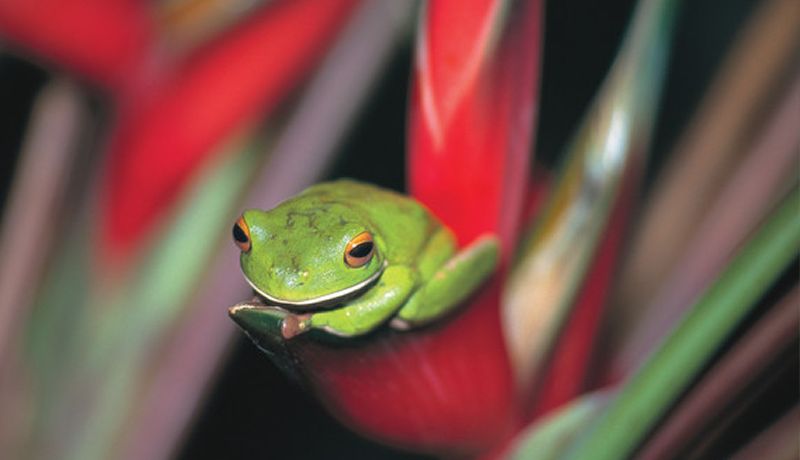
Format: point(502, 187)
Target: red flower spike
point(165, 134)
point(448, 389)
point(102, 40)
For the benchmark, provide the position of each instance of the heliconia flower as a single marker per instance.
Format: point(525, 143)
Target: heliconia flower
point(103, 41)
point(166, 129)
point(448, 388)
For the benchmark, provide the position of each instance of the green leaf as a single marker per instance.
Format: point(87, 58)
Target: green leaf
point(663, 378)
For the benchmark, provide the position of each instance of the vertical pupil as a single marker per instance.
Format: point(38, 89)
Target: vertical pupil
point(362, 250)
point(238, 234)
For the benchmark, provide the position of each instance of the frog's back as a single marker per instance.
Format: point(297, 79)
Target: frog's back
point(401, 221)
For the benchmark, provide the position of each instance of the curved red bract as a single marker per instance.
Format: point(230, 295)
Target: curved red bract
point(442, 389)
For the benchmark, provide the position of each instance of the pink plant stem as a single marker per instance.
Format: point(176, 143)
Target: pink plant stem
point(706, 154)
point(28, 233)
point(761, 179)
point(778, 441)
point(739, 367)
point(37, 195)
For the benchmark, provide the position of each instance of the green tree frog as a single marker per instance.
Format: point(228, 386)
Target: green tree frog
point(345, 257)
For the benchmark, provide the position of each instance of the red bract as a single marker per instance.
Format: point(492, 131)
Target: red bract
point(472, 113)
point(102, 40)
point(448, 389)
point(168, 129)
point(434, 390)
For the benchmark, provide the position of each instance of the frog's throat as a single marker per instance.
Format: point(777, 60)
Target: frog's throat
point(326, 299)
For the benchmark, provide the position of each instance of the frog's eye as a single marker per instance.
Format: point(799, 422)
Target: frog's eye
point(359, 250)
point(241, 235)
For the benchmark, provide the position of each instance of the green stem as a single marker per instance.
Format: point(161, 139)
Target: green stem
point(649, 393)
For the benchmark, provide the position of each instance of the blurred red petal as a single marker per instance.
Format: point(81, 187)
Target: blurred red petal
point(166, 131)
point(102, 40)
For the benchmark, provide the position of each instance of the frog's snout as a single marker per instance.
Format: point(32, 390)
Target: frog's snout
point(241, 235)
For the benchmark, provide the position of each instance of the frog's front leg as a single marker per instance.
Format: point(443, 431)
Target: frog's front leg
point(451, 284)
point(363, 314)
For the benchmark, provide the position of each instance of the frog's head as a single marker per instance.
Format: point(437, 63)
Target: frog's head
point(308, 256)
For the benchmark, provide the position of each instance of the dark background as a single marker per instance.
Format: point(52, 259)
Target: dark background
point(253, 411)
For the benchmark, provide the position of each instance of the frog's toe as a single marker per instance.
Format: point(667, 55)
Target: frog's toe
point(293, 325)
point(399, 324)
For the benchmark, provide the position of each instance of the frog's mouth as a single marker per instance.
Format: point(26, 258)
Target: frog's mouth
point(325, 300)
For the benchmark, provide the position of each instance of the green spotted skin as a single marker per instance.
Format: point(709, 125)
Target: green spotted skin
point(296, 262)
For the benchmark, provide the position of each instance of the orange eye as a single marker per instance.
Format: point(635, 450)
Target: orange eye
point(241, 235)
point(359, 250)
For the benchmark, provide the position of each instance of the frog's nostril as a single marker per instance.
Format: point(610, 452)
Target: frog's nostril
point(300, 278)
point(241, 235)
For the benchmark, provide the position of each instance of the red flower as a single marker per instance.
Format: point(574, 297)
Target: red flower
point(448, 389)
